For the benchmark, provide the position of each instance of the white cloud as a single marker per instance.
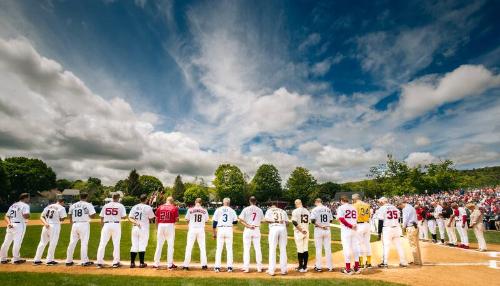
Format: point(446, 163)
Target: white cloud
point(311, 40)
point(420, 158)
point(422, 141)
point(427, 93)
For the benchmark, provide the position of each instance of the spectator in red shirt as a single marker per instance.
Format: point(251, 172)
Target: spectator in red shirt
point(166, 217)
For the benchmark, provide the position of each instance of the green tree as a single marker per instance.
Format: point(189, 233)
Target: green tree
point(129, 200)
point(194, 192)
point(178, 189)
point(4, 184)
point(134, 185)
point(266, 184)
point(150, 184)
point(325, 191)
point(121, 186)
point(63, 184)
point(300, 185)
point(230, 182)
point(28, 176)
point(79, 185)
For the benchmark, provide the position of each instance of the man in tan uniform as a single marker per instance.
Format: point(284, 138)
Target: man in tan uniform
point(476, 223)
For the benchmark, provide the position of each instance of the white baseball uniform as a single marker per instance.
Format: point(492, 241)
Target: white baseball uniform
point(462, 226)
point(15, 234)
point(197, 217)
point(224, 216)
point(439, 220)
point(391, 231)
point(53, 215)
point(277, 219)
point(348, 236)
point(112, 214)
point(141, 213)
point(322, 237)
point(253, 216)
point(302, 217)
point(80, 214)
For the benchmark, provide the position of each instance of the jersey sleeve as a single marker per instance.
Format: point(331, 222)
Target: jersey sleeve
point(216, 215)
point(313, 214)
point(340, 213)
point(91, 210)
point(235, 216)
point(188, 215)
point(62, 213)
point(150, 213)
point(268, 216)
point(285, 215)
point(26, 209)
point(70, 210)
point(242, 214)
point(9, 212)
point(44, 212)
point(132, 211)
point(123, 211)
point(102, 211)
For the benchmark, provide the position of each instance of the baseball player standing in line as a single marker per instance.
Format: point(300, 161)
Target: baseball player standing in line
point(300, 221)
point(166, 217)
point(251, 217)
point(438, 214)
point(278, 220)
point(476, 223)
point(51, 218)
point(363, 229)
point(111, 215)
point(460, 216)
point(450, 224)
point(321, 217)
point(223, 220)
point(79, 216)
point(423, 231)
point(140, 216)
point(410, 226)
point(197, 217)
point(431, 223)
point(347, 215)
point(16, 218)
point(390, 230)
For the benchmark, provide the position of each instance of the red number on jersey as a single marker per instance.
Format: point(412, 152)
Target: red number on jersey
point(392, 214)
point(254, 216)
point(111, 211)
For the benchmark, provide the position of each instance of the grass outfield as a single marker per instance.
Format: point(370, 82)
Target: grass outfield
point(48, 279)
point(32, 238)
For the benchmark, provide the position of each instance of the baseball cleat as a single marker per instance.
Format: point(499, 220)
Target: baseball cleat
point(346, 271)
point(217, 270)
point(317, 269)
point(20, 261)
point(70, 263)
point(298, 268)
point(132, 265)
point(37, 262)
point(383, 265)
point(100, 266)
point(88, 263)
point(155, 266)
point(369, 266)
point(143, 265)
point(51, 263)
point(5, 261)
point(185, 268)
point(465, 247)
point(172, 267)
point(403, 265)
point(303, 270)
point(284, 273)
point(357, 271)
point(204, 267)
point(116, 265)
point(246, 270)
point(330, 270)
point(259, 270)
point(270, 273)
point(230, 269)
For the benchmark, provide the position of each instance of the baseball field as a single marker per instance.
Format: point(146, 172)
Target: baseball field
point(441, 263)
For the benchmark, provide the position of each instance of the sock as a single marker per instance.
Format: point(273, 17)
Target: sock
point(348, 266)
point(306, 258)
point(442, 240)
point(356, 265)
point(434, 236)
point(361, 260)
point(133, 255)
point(300, 257)
point(368, 260)
point(141, 256)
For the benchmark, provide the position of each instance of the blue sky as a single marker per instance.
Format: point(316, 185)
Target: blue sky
point(174, 87)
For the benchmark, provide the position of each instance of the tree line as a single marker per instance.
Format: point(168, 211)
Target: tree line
point(20, 174)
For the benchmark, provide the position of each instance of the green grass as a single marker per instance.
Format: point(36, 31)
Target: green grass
point(32, 238)
point(50, 279)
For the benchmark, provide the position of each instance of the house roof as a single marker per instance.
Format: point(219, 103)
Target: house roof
point(71, 192)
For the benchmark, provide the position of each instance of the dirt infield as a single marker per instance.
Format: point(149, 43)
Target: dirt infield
point(442, 266)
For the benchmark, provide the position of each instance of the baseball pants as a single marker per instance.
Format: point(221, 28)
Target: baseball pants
point(277, 237)
point(432, 226)
point(391, 235)
point(301, 241)
point(13, 235)
point(49, 236)
point(79, 231)
point(195, 234)
point(412, 236)
point(441, 228)
point(165, 232)
point(363, 231)
point(110, 231)
point(322, 239)
point(450, 231)
point(462, 232)
point(350, 244)
point(479, 233)
point(423, 230)
point(224, 236)
point(251, 236)
point(140, 238)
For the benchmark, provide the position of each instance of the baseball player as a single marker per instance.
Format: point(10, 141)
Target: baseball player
point(51, 218)
point(111, 215)
point(197, 217)
point(423, 231)
point(79, 215)
point(166, 217)
point(16, 218)
point(348, 217)
point(460, 217)
point(278, 220)
point(390, 230)
point(223, 220)
point(438, 210)
point(321, 218)
point(251, 217)
point(363, 229)
point(431, 223)
point(450, 224)
point(300, 220)
point(140, 216)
